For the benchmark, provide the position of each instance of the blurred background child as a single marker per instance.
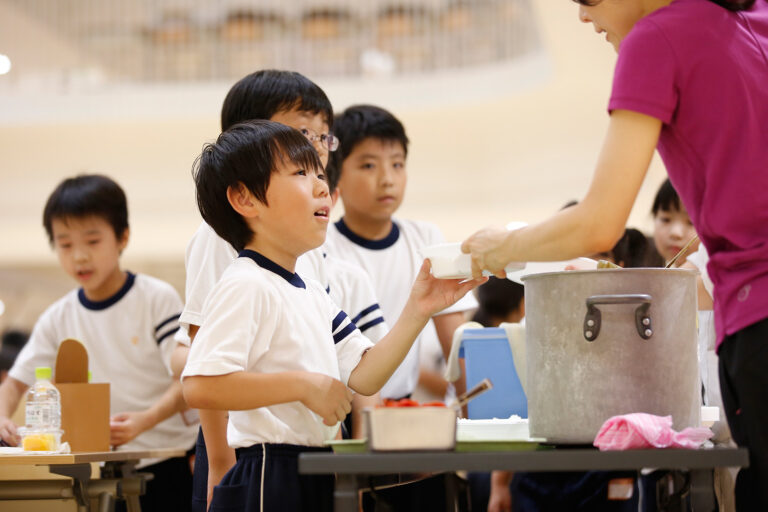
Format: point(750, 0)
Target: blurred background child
point(672, 227)
point(127, 323)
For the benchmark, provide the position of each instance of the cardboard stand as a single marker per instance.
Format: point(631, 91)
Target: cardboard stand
point(84, 406)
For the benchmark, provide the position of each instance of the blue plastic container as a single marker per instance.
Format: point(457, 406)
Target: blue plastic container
point(487, 354)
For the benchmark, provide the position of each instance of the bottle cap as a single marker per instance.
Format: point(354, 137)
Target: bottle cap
point(90, 375)
point(43, 373)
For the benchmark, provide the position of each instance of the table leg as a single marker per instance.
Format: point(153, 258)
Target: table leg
point(132, 483)
point(81, 476)
point(345, 494)
point(106, 502)
point(702, 490)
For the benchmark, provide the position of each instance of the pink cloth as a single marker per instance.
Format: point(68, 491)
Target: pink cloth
point(641, 430)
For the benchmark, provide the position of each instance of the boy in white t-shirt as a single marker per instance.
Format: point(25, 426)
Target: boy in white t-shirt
point(293, 100)
point(274, 349)
point(126, 322)
point(371, 167)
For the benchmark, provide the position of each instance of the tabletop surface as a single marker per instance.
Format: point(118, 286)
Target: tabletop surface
point(87, 457)
point(558, 459)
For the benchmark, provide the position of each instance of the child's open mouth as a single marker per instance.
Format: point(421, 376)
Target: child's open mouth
point(323, 212)
point(84, 274)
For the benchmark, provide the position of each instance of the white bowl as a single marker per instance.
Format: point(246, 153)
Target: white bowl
point(510, 429)
point(448, 262)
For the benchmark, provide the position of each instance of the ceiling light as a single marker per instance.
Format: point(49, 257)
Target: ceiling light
point(5, 64)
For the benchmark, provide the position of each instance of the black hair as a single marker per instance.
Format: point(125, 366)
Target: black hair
point(497, 298)
point(360, 122)
point(13, 341)
point(332, 173)
point(633, 250)
point(264, 93)
point(731, 5)
point(87, 195)
point(245, 155)
point(666, 199)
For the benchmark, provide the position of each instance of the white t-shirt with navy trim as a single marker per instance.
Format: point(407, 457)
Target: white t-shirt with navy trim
point(393, 264)
point(129, 339)
point(262, 318)
point(206, 258)
point(350, 287)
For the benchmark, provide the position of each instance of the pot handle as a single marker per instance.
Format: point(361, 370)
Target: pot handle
point(592, 319)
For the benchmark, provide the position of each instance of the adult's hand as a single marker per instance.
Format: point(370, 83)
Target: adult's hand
point(489, 250)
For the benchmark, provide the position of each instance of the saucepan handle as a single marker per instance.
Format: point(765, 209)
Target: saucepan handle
point(592, 319)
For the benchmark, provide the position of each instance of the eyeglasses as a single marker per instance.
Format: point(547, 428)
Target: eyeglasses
point(328, 140)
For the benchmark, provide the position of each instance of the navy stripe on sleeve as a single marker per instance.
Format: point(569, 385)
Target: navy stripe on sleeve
point(169, 333)
point(366, 311)
point(166, 322)
point(346, 331)
point(338, 321)
point(370, 324)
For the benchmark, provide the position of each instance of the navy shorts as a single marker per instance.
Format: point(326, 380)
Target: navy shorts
point(200, 476)
point(266, 478)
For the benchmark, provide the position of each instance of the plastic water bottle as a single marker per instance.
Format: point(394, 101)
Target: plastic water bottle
point(43, 402)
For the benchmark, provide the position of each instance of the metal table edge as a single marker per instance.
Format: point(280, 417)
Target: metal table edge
point(550, 460)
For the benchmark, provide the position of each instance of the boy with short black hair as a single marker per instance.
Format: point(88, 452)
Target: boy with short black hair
point(371, 168)
point(291, 99)
point(126, 322)
point(278, 340)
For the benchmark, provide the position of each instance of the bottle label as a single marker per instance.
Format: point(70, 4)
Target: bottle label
point(41, 414)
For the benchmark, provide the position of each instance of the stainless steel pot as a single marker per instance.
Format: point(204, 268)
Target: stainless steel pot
point(605, 342)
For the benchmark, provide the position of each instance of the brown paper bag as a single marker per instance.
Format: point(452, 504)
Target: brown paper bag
point(84, 406)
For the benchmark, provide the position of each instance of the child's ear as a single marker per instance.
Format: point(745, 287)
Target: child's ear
point(334, 197)
point(122, 242)
point(242, 201)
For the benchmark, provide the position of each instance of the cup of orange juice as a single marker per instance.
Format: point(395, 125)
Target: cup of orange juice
point(40, 440)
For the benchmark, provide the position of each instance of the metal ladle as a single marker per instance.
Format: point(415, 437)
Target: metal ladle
point(682, 251)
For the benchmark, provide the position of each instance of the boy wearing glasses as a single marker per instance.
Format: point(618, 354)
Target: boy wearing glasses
point(291, 99)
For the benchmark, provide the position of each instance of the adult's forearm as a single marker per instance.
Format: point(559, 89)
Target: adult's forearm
point(598, 221)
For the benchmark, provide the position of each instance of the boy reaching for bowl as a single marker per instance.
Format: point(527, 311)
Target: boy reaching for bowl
point(291, 355)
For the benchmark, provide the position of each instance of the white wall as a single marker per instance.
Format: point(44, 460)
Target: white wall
point(477, 157)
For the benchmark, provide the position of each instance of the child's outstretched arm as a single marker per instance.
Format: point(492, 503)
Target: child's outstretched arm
point(428, 296)
point(324, 395)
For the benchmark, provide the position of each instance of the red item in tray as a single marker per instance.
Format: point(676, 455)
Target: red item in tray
point(407, 402)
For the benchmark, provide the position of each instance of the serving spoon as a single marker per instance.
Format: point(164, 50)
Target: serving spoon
point(682, 251)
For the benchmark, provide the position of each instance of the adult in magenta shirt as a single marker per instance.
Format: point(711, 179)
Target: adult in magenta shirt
point(703, 71)
point(691, 80)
